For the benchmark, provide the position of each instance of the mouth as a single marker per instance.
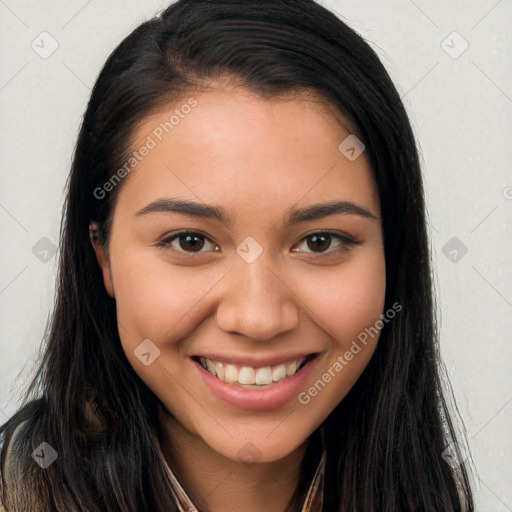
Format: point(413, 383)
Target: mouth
point(254, 377)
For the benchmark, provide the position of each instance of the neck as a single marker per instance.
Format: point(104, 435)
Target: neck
point(216, 483)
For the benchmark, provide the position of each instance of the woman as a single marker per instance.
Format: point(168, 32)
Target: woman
point(244, 315)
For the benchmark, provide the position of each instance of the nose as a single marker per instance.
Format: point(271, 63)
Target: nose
point(256, 302)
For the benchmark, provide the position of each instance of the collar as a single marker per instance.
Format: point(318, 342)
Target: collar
point(312, 503)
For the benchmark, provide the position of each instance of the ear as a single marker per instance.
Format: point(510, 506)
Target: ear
point(102, 257)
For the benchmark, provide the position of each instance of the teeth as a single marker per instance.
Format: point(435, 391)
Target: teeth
point(247, 376)
point(263, 376)
point(279, 372)
point(219, 371)
point(230, 374)
point(291, 369)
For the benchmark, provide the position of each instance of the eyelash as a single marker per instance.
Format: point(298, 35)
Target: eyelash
point(346, 243)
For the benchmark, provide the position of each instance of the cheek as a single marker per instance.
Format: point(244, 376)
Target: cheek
point(159, 301)
point(156, 300)
point(349, 305)
point(347, 300)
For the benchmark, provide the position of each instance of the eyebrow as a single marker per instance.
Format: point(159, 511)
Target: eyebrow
point(293, 215)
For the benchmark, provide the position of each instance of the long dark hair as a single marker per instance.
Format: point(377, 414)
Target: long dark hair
point(387, 438)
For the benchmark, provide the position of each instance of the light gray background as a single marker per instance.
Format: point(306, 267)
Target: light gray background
point(461, 112)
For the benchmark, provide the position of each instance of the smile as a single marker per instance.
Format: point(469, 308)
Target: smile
point(263, 385)
point(250, 376)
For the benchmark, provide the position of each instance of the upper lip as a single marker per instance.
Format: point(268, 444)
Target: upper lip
point(255, 361)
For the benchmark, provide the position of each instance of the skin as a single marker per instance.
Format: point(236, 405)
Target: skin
point(257, 158)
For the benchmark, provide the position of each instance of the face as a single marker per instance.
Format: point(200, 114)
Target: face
point(239, 298)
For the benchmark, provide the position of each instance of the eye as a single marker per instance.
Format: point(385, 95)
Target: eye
point(187, 242)
point(191, 242)
point(321, 241)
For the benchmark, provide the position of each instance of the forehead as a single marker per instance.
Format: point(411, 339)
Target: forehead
point(239, 149)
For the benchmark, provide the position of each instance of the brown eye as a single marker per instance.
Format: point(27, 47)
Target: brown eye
point(190, 242)
point(320, 243)
point(187, 242)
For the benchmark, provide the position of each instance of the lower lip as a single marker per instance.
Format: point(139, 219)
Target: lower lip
point(264, 399)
